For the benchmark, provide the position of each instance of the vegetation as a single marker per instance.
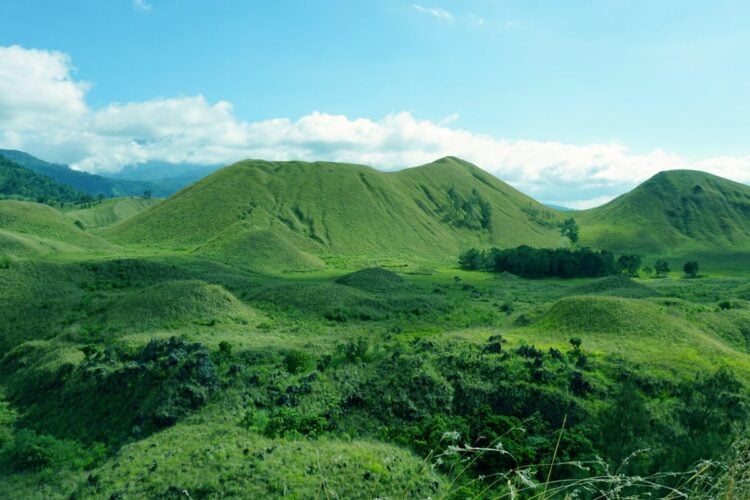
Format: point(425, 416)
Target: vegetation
point(540, 262)
point(691, 269)
point(159, 348)
point(21, 183)
point(91, 184)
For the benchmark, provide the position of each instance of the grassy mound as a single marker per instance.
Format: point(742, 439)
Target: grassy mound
point(604, 315)
point(618, 286)
point(165, 305)
point(373, 278)
point(46, 227)
point(223, 461)
point(326, 300)
point(260, 249)
point(111, 211)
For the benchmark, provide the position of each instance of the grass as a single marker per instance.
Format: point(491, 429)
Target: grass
point(250, 337)
point(110, 211)
point(328, 209)
point(674, 213)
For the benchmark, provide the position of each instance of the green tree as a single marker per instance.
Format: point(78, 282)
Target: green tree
point(661, 267)
point(691, 269)
point(629, 264)
point(471, 260)
point(147, 194)
point(569, 229)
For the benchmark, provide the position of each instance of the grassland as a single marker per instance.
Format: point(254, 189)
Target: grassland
point(244, 346)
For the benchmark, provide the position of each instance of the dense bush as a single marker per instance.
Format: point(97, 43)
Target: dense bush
point(541, 262)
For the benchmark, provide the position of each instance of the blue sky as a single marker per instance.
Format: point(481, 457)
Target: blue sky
point(570, 101)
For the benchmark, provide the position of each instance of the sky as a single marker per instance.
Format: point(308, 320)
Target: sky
point(571, 102)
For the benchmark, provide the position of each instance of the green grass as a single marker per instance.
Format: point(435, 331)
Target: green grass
point(227, 461)
point(675, 213)
point(328, 209)
point(43, 229)
point(110, 211)
point(300, 329)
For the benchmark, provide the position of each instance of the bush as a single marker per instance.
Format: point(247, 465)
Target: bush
point(298, 361)
point(30, 451)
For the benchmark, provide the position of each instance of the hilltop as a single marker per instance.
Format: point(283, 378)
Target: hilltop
point(333, 210)
point(678, 211)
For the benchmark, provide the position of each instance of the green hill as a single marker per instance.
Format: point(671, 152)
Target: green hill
point(674, 212)
point(32, 228)
point(341, 211)
point(17, 181)
point(88, 183)
point(111, 211)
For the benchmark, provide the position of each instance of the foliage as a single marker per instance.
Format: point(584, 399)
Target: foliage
point(20, 182)
point(540, 262)
point(691, 269)
point(661, 268)
point(471, 212)
point(569, 229)
point(629, 264)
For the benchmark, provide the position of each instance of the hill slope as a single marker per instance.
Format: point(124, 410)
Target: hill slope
point(30, 228)
point(88, 183)
point(427, 213)
point(111, 211)
point(17, 181)
point(674, 212)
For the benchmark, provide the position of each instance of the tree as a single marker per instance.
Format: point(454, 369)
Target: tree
point(147, 194)
point(662, 268)
point(691, 269)
point(569, 229)
point(471, 260)
point(629, 264)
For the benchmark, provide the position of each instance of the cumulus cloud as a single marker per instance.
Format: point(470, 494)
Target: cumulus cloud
point(435, 12)
point(43, 111)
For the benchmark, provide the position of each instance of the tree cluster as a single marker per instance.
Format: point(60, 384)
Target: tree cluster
point(472, 212)
point(541, 262)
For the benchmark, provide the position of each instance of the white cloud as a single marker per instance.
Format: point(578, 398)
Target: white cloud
point(43, 111)
point(141, 5)
point(435, 12)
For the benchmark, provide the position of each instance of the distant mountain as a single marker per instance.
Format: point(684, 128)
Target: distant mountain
point(166, 177)
point(676, 211)
point(19, 182)
point(290, 215)
point(88, 183)
point(159, 171)
point(559, 208)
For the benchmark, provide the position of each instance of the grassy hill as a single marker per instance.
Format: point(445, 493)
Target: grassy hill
point(674, 212)
point(171, 367)
point(32, 228)
point(110, 211)
point(341, 211)
point(19, 182)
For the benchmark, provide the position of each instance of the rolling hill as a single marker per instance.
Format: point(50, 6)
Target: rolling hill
point(305, 211)
point(111, 211)
point(28, 228)
point(17, 181)
point(675, 212)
